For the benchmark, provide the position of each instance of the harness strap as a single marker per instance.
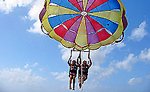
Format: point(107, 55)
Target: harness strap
point(46, 33)
point(121, 38)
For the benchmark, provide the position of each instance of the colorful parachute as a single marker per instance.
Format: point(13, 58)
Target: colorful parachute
point(84, 24)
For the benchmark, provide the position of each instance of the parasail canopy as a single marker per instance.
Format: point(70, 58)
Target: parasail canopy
point(84, 24)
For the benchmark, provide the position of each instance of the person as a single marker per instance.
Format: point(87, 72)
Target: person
point(72, 72)
point(84, 67)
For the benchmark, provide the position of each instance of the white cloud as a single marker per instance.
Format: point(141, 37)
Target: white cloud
point(99, 73)
point(35, 28)
point(65, 52)
point(26, 80)
point(135, 81)
point(61, 76)
point(33, 15)
point(121, 45)
point(35, 10)
point(35, 64)
point(20, 80)
point(145, 55)
point(98, 56)
point(106, 72)
point(139, 33)
point(7, 6)
point(127, 63)
point(28, 66)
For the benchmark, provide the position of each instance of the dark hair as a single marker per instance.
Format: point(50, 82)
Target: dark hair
point(73, 60)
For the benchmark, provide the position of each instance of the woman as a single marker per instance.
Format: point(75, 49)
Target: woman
point(72, 72)
point(84, 67)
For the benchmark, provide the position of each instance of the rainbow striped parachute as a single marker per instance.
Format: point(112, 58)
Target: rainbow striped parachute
point(84, 24)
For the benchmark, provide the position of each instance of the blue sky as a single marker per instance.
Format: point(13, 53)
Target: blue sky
point(32, 62)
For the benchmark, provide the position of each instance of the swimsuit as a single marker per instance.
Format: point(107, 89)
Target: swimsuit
point(73, 70)
point(84, 70)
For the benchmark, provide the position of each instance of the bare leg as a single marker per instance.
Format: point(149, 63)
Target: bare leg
point(85, 77)
point(79, 78)
point(70, 82)
point(82, 80)
point(73, 82)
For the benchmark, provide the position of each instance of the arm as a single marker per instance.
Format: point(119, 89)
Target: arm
point(69, 61)
point(89, 59)
point(79, 59)
point(90, 62)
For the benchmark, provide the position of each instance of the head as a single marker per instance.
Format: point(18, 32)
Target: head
point(84, 62)
point(73, 62)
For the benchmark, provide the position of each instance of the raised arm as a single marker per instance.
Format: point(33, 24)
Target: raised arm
point(89, 59)
point(69, 61)
point(79, 59)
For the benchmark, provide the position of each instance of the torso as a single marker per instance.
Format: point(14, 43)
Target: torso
point(84, 69)
point(73, 67)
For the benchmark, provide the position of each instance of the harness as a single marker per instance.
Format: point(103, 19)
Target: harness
point(84, 70)
point(73, 69)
